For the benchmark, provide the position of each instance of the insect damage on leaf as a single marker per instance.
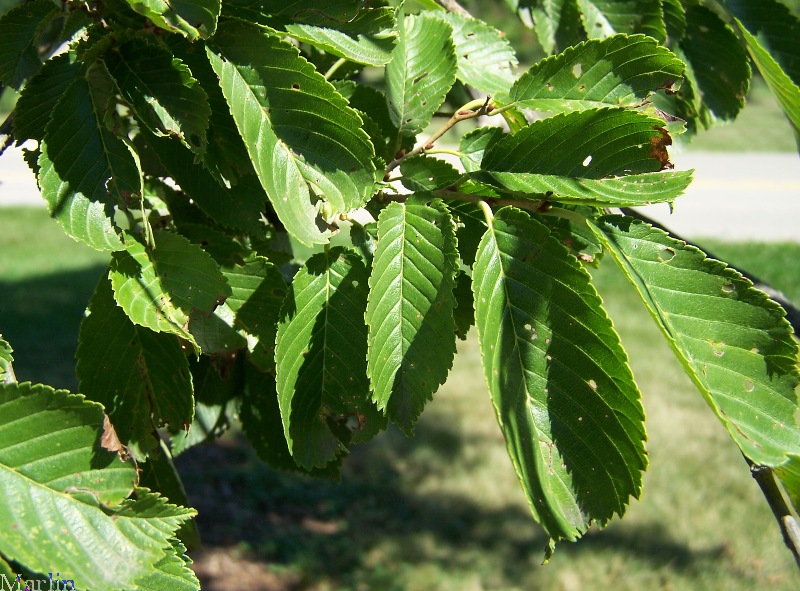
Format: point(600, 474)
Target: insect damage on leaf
point(110, 442)
point(658, 148)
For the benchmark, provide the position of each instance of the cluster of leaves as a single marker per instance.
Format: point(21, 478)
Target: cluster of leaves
point(215, 150)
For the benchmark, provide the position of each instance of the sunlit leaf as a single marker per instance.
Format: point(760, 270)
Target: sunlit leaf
point(140, 377)
point(160, 288)
point(84, 170)
point(191, 18)
point(733, 342)
point(422, 70)
point(603, 18)
point(618, 71)
point(321, 355)
point(604, 157)
point(300, 133)
point(55, 475)
point(484, 56)
point(161, 90)
point(410, 311)
point(559, 379)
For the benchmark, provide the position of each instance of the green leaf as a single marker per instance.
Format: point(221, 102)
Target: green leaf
point(575, 235)
point(258, 290)
point(603, 18)
point(770, 36)
point(604, 157)
point(422, 71)
point(140, 377)
point(320, 353)
point(625, 191)
point(193, 19)
point(618, 71)
point(300, 133)
point(173, 572)
point(20, 29)
point(674, 19)
point(558, 376)
point(161, 90)
point(367, 37)
point(56, 476)
point(410, 311)
point(84, 170)
point(425, 173)
point(775, 27)
point(484, 56)
point(261, 421)
point(733, 341)
point(372, 103)
point(789, 475)
point(6, 359)
point(557, 23)
point(464, 312)
point(225, 156)
point(40, 96)
point(160, 288)
point(352, 30)
point(470, 227)
point(473, 146)
point(239, 207)
point(159, 474)
point(723, 87)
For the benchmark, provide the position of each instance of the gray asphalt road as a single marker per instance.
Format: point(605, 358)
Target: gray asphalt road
point(733, 196)
point(736, 197)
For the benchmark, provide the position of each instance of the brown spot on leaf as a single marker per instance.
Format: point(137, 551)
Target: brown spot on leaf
point(658, 148)
point(110, 442)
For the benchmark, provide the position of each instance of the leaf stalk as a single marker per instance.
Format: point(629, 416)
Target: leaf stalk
point(472, 109)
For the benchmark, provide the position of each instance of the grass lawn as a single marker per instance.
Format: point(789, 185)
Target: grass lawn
point(442, 511)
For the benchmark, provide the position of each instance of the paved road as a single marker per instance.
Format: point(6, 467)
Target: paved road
point(733, 197)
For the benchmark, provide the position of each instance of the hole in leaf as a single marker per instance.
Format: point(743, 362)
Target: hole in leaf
point(295, 86)
point(749, 386)
point(666, 255)
point(577, 70)
point(592, 384)
point(717, 348)
point(728, 288)
point(549, 87)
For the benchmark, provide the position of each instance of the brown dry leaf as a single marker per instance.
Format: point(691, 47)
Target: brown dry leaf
point(109, 440)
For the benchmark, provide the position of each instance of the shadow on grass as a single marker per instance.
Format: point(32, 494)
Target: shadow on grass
point(266, 530)
point(40, 318)
point(364, 531)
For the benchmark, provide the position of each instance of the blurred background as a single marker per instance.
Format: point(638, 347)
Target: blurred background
point(444, 511)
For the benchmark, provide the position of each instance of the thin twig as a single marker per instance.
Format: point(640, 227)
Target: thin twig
point(453, 6)
point(471, 110)
point(767, 481)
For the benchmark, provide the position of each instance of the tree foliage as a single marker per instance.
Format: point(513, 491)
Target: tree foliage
point(213, 149)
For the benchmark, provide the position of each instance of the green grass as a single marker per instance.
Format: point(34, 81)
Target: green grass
point(442, 511)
